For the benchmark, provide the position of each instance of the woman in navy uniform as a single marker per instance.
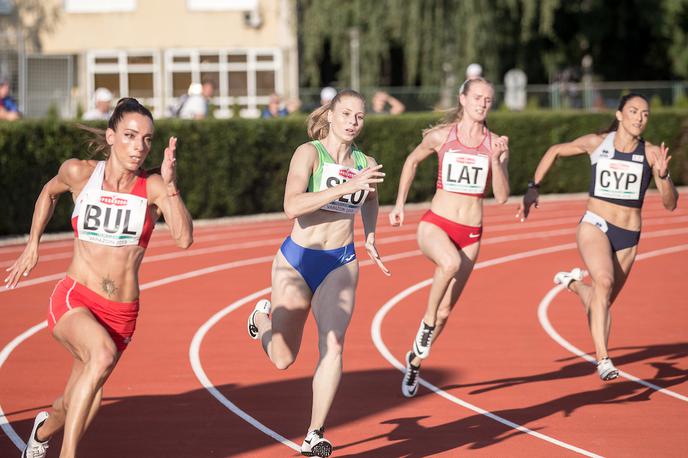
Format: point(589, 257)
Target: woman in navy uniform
point(622, 165)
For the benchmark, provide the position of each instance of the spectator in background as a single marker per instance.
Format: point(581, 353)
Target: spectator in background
point(9, 111)
point(197, 103)
point(327, 94)
point(474, 71)
point(275, 108)
point(383, 103)
point(102, 99)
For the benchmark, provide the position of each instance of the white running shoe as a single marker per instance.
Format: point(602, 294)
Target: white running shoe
point(409, 385)
point(423, 340)
point(262, 306)
point(315, 444)
point(34, 448)
point(566, 278)
point(606, 370)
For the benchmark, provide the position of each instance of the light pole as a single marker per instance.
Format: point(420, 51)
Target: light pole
point(354, 44)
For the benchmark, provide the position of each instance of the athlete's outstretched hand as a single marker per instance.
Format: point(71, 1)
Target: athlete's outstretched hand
point(374, 255)
point(661, 160)
point(168, 169)
point(22, 266)
point(529, 198)
point(365, 179)
point(396, 216)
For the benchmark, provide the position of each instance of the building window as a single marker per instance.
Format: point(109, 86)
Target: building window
point(222, 5)
point(243, 78)
point(100, 6)
point(127, 74)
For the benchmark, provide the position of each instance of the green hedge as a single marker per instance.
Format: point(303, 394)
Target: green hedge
point(238, 167)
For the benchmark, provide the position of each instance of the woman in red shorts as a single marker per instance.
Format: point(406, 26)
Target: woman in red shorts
point(93, 310)
point(449, 233)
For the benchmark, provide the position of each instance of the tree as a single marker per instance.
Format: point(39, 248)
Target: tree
point(431, 36)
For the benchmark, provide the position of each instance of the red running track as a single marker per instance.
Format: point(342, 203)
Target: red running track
point(192, 384)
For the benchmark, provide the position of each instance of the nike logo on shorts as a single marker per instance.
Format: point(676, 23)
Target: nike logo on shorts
point(349, 258)
point(473, 235)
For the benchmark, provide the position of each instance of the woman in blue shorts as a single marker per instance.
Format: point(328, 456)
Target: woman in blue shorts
point(329, 180)
point(622, 165)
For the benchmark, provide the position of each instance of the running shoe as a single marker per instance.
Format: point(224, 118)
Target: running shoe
point(566, 278)
point(409, 386)
point(606, 369)
point(421, 345)
point(262, 306)
point(315, 444)
point(34, 447)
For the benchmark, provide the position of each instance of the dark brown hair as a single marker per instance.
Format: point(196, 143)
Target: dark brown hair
point(97, 143)
point(318, 127)
point(614, 126)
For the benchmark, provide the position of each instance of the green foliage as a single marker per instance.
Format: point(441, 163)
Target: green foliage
point(435, 36)
point(656, 102)
point(237, 167)
point(629, 40)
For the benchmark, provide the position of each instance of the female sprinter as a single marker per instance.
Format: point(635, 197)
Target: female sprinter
point(329, 180)
point(316, 269)
point(608, 234)
point(449, 233)
point(93, 310)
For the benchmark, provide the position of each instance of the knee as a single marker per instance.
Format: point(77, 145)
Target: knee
point(449, 265)
point(102, 360)
point(283, 361)
point(604, 284)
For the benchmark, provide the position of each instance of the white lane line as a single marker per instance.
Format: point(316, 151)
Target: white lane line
point(9, 348)
point(4, 354)
point(376, 332)
point(382, 241)
point(194, 357)
point(543, 317)
point(7, 428)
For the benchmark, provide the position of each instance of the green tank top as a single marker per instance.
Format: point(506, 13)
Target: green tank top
point(329, 174)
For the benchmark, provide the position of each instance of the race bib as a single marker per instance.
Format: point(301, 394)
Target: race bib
point(333, 175)
point(466, 173)
point(615, 179)
point(111, 218)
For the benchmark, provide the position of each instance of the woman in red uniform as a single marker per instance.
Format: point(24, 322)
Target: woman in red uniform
point(93, 310)
point(449, 233)
point(622, 165)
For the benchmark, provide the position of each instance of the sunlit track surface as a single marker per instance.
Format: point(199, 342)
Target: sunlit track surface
point(493, 355)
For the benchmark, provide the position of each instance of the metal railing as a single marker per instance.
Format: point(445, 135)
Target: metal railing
point(593, 96)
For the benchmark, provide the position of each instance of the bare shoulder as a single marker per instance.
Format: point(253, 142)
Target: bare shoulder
point(371, 161)
point(75, 171)
point(306, 153)
point(436, 136)
point(590, 141)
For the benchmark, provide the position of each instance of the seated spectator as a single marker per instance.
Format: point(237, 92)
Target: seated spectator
point(102, 99)
point(9, 111)
point(382, 102)
point(293, 105)
point(275, 109)
point(197, 104)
